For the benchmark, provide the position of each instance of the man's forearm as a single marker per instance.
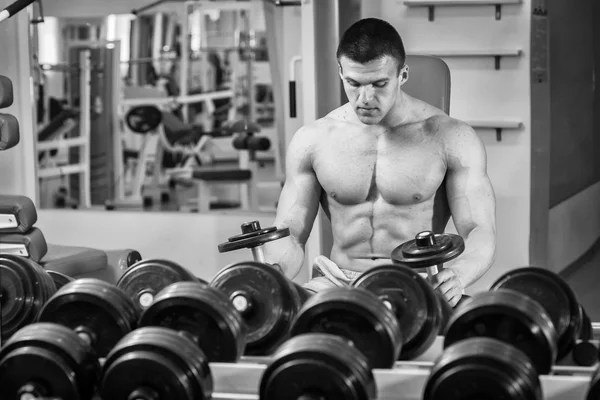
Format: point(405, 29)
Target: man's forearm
point(478, 257)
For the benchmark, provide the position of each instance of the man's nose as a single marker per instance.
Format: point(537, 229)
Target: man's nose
point(366, 94)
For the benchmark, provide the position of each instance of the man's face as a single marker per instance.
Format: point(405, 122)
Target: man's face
point(372, 87)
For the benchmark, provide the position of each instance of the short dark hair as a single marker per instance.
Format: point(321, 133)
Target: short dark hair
point(371, 39)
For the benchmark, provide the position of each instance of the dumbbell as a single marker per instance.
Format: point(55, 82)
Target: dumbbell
point(429, 251)
point(414, 302)
point(266, 300)
point(511, 317)
point(560, 302)
point(98, 312)
point(24, 288)
point(201, 313)
point(358, 316)
point(253, 237)
point(250, 286)
point(46, 360)
point(482, 368)
point(337, 338)
point(317, 366)
point(156, 363)
point(59, 278)
point(143, 280)
point(585, 352)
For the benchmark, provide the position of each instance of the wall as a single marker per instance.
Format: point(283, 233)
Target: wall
point(574, 217)
point(574, 227)
point(480, 92)
point(574, 153)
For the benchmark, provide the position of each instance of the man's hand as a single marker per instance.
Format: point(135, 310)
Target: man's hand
point(276, 267)
point(449, 285)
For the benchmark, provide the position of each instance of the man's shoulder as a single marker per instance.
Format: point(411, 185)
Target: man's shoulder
point(318, 129)
point(450, 129)
point(457, 137)
point(309, 135)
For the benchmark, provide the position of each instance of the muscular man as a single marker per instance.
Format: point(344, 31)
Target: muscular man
point(384, 166)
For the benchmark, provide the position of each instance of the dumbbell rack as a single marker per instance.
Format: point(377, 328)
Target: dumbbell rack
point(405, 382)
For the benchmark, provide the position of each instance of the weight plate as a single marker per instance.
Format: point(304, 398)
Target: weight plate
point(204, 314)
point(259, 232)
point(254, 240)
point(47, 283)
point(552, 293)
point(156, 363)
point(422, 253)
point(266, 300)
point(586, 332)
point(412, 300)
point(357, 315)
point(146, 278)
point(59, 279)
point(24, 288)
point(482, 368)
point(446, 311)
point(317, 366)
point(47, 360)
point(99, 312)
point(510, 317)
point(143, 119)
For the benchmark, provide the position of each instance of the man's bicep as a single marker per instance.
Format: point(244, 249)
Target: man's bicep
point(470, 193)
point(299, 199)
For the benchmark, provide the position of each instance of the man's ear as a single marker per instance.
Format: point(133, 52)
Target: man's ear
point(404, 75)
point(340, 71)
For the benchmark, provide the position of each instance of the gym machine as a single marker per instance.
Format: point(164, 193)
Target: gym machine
point(87, 158)
point(145, 116)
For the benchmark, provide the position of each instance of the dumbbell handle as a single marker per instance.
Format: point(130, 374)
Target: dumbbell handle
point(431, 272)
point(85, 335)
point(14, 8)
point(258, 254)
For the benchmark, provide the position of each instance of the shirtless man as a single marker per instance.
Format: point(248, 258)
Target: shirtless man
point(384, 166)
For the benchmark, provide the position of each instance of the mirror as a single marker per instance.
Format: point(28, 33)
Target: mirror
point(132, 110)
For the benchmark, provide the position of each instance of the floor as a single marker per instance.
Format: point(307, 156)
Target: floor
point(585, 281)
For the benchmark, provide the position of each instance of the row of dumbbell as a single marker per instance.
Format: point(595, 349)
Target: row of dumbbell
point(268, 302)
point(340, 354)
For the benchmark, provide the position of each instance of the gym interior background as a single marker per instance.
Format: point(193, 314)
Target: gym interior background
point(526, 85)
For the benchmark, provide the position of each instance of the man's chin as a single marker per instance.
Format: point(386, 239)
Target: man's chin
point(369, 119)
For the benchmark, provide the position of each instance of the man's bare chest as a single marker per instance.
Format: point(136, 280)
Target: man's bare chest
point(398, 173)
